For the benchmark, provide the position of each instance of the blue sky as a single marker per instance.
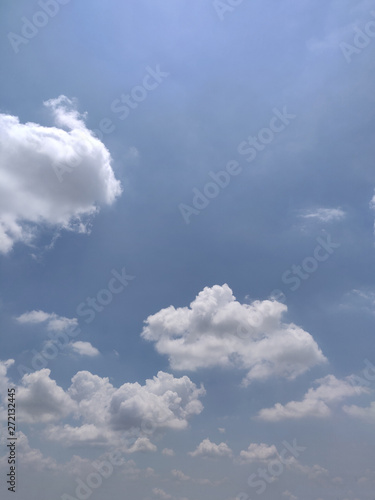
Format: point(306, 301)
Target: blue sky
point(187, 248)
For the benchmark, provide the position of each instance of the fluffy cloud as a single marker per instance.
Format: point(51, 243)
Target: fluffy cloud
point(84, 349)
point(258, 453)
point(163, 402)
point(40, 399)
point(207, 449)
point(127, 416)
point(51, 177)
point(217, 330)
point(53, 322)
point(314, 403)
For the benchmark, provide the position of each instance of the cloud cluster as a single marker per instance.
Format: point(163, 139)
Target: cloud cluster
point(315, 402)
point(217, 330)
point(105, 412)
point(51, 177)
point(59, 329)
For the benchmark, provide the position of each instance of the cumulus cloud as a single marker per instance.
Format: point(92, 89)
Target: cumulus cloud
point(324, 214)
point(217, 330)
point(51, 177)
point(315, 402)
point(52, 321)
point(126, 416)
point(84, 349)
point(164, 401)
point(40, 399)
point(207, 449)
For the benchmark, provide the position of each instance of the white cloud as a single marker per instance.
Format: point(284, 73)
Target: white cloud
point(31, 194)
point(107, 415)
point(54, 322)
point(216, 330)
point(258, 453)
point(324, 214)
point(207, 449)
point(314, 403)
point(164, 402)
point(40, 399)
point(367, 414)
point(85, 349)
point(125, 417)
